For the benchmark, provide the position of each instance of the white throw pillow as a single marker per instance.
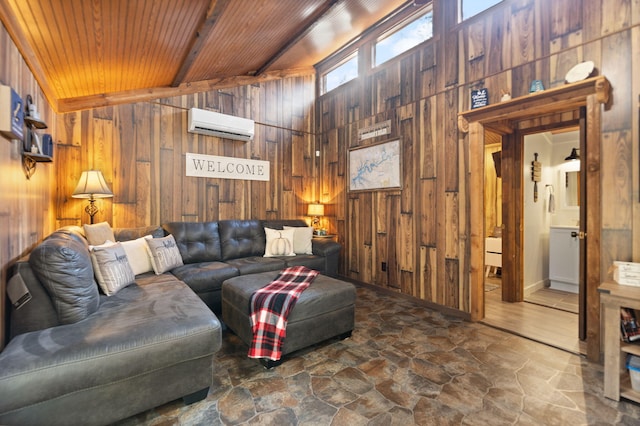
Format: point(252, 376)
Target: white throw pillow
point(302, 236)
point(138, 255)
point(279, 242)
point(164, 254)
point(111, 267)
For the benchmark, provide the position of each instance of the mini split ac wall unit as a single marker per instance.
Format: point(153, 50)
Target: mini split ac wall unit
point(222, 125)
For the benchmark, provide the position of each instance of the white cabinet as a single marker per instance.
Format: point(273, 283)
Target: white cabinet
point(564, 258)
point(492, 253)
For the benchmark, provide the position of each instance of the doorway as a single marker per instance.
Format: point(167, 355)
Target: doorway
point(511, 119)
point(549, 312)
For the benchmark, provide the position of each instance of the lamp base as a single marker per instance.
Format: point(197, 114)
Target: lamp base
point(315, 223)
point(91, 209)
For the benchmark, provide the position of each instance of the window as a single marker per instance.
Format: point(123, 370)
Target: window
point(341, 74)
point(469, 8)
point(405, 28)
point(403, 39)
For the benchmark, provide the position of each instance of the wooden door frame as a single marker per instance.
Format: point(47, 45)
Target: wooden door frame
point(514, 116)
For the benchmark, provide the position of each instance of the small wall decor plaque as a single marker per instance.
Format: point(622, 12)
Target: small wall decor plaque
point(378, 129)
point(479, 98)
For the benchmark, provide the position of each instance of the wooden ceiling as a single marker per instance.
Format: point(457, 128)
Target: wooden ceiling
point(89, 53)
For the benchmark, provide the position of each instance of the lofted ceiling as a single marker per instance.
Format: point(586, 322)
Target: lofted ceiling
point(89, 53)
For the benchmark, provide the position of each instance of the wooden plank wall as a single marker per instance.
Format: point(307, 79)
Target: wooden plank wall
point(421, 231)
point(141, 148)
point(26, 208)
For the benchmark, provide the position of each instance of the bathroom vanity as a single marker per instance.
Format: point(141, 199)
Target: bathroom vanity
point(564, 258)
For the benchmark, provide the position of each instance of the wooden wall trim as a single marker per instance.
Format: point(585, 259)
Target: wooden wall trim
point(590, 93)
point(562, 98)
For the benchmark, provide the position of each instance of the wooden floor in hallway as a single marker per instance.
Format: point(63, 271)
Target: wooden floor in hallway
point(554, 327)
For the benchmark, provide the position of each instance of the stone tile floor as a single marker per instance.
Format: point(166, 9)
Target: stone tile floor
point(404, 365)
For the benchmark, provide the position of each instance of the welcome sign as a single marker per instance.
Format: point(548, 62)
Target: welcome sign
point(213, 166)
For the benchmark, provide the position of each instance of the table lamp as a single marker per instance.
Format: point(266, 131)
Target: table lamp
point(92, 186)
point(315, 210)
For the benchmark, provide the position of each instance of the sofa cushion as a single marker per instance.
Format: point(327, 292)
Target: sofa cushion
point(163, 253)
point(256, 264)
point(111, 268)
point(72, 231)
point(309, 260)
point(197, 241)
point(205, 276)
point(99, 233)
point(63, 266)
point(128, 234)
point(241, 238)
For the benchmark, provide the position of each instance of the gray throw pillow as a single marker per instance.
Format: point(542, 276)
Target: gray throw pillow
point(111, 267)
point(99, 233)
point(63, 265)
point(164, 254)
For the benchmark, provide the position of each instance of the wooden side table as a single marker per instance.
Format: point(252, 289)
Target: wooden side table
point(614, 296)
point(332, 236)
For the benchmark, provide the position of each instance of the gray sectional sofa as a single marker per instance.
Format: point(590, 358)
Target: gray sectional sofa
point(213, 252)
point(76, 356)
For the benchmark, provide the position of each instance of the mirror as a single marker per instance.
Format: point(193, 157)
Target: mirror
point(572, 189)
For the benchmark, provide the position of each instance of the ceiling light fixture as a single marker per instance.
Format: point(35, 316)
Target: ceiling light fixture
point(573, 156)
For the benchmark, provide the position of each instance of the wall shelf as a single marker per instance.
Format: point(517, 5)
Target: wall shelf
point(38, 158)
point(30, 159)
point(617, 383)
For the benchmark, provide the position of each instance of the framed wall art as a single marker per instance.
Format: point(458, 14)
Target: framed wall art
point(375, 167)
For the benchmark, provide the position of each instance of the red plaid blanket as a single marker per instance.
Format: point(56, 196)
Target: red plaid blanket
point(270, 308)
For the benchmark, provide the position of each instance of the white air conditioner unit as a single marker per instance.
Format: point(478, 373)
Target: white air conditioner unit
point(222, 125)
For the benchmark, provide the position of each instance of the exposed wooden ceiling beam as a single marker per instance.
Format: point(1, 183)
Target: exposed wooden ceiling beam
point(143, 95)
point(10, 22)
point(216, 7)
point(310, 24)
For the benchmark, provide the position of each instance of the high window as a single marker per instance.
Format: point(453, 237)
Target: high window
point(344, 72)
point(469, 8)
point(404, 38)
point(406, 28)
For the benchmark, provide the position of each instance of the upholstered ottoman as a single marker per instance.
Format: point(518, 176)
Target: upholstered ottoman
point(324, 310)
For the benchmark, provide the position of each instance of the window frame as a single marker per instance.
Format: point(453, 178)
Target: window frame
point(461, 19)
point(345, 60)
point(396, 29)
point(363, 45)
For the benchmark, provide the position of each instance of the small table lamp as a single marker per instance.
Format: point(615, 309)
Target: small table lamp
point(92, 186)
point(315, 210)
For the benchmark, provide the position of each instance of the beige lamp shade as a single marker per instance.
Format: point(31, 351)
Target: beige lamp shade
point(315, 210)
point(92, 185)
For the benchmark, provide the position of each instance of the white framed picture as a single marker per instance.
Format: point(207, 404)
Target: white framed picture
point(375, 167)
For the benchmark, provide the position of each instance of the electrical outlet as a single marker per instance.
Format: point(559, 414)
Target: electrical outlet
point(384, 266)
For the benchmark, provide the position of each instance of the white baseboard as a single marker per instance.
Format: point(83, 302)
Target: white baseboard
point(535, 287)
